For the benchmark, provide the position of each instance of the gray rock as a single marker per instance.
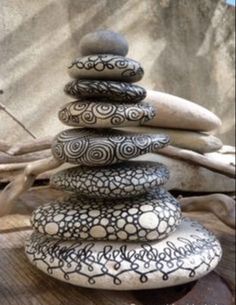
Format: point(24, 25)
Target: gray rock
point(99, 114)
point(103, 42)
point(121, 180)
point(113, 91)
point(106, 66)
point(92, 147)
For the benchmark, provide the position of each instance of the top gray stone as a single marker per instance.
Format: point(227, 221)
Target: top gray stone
point(103, 42)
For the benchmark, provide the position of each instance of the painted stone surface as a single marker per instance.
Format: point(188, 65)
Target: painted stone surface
point(99, 114)
point(92, 147)
point(186, 255)
point(152, 216)
point(120, 180)
point(176, 112)
point(103, 42)
point(106, 66)
point(113, 91)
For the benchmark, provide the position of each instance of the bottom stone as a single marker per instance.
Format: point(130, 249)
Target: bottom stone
point(188, 254)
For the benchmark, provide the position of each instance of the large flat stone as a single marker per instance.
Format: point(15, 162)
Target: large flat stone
point(175, 112)
point(106, 66)
point(99, 114)
point(92, 147)
point(192, 140)
point(186, 255)
point(185, 176)
point(149, 217)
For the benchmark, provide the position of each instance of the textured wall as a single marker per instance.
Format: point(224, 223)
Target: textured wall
point(186, 48)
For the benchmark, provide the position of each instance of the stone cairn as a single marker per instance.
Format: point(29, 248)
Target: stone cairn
point(119, 229)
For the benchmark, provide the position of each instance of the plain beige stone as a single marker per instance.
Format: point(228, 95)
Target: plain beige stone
point(176, 112)
point(188, 177)
point(196, 141)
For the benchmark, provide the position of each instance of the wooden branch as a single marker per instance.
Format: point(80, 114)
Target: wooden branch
point(2, 107)
point(26, 147)
point(23, 182)
point(221, 205)
point(29, 157)
point(198, 159)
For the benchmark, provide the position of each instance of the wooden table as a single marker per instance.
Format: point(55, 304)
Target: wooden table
point(22, 284)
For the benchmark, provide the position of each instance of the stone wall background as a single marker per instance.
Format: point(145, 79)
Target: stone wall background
point(186, 48)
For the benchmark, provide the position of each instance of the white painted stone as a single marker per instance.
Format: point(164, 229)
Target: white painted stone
point(176, 112)
point(192, 250)
point(144, 213)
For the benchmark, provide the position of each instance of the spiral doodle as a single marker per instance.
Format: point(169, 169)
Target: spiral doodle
point(106, 66)
point(93, 147)
point(99, 114)
point(188, 254)
point(117, 91)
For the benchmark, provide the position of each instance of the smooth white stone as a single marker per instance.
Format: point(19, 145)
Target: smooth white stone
point(186, 176)
point(188, 254)
point(175, 112)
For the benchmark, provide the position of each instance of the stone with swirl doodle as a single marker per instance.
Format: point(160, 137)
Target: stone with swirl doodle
point(116, 227)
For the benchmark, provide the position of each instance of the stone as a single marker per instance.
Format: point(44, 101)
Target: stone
point(192, 140)
point(106, 66)
point(152, 216)
point(186, 255)
point(112, 91)
point(185, 176)
point(122, 180)
point(92, 147)
point(99, 114)
point(176, 112)
point(103, 42)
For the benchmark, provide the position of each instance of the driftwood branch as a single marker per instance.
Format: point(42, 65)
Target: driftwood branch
point(26, 147)
point(7, 111)
point(23, 182)
point(221, 205)
point(198, 159)
point(29, 157)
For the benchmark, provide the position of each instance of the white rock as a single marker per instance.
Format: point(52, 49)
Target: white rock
point(95, 217)
point(189, 177)
point(175, 112)
point(186, 255)
point(192, 140)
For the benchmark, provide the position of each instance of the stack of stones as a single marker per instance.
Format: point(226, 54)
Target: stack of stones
point(118, 228)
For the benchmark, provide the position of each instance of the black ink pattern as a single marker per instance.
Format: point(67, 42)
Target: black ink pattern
point(113, 91)
point(150, 217)
point(95, 148)
point(104, 115)
point(106, 66)
point(188, 254)
point(122, 180)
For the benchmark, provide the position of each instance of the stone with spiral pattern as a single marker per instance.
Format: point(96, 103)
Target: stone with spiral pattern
point(106, 66)
point(111, 90)
point(99, 114)
point(122, 180)
point(103, 147)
